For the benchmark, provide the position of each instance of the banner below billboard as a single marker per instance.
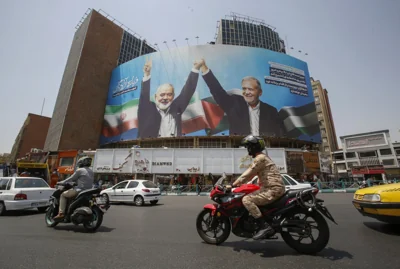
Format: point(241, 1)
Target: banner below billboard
point(180, 161)
point(207, 90)
point(324, 162)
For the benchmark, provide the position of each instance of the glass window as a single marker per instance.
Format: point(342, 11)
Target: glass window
point(386, 151)
point(133, 184)
point(285, 181)
point(68, 161)
point(121, 185)
point(290, 180)
point(316, 99)
point(388, 162)
point(350, 154)
point(318, 106)
point(30, 183)
point(367, 154)
point(4, 183)
point(149, 184)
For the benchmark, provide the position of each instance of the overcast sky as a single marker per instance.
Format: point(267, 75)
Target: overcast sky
point(352, 45)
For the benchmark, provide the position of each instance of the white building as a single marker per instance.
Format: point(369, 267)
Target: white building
point(369, 155)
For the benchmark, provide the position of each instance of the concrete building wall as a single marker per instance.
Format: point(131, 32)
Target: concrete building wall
point(79, 110)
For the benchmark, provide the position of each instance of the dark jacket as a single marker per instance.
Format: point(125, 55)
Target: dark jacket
point(238, 114)
point(148, 116)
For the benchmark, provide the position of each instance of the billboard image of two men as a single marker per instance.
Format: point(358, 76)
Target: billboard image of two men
point(172, 101)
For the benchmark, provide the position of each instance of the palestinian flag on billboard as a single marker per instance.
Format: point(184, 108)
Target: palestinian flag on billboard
point(205, 114)
point(301, 120)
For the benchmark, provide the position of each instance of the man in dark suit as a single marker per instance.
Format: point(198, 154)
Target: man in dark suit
point(164, 117)
point(246, 113)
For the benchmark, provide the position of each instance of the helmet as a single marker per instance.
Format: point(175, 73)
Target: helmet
point(84, 162)
point(254, 144)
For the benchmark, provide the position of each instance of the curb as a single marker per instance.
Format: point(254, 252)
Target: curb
point(207, 193)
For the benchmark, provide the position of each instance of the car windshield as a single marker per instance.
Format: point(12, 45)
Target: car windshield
point(149, 184)
point(220, 180)
point(30, 183)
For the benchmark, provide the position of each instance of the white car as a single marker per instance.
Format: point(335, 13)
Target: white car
point(20, 193)
point(136, 191)
point(290, 183)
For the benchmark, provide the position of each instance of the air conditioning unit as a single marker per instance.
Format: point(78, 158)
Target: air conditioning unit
point(35, 150)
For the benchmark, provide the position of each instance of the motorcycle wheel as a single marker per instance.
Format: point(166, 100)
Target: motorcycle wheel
point(316, 245)
point(48, 217)
point(224, 226)
point(96, 222)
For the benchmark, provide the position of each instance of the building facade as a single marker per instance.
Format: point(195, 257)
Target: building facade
point(100, 43)
point(368, 155)
point(32, 135)
point(329, 142)
point(241, 30)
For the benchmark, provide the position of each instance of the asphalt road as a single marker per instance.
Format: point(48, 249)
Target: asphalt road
point(164, 236)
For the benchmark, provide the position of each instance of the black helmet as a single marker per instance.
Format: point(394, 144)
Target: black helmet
point(84, 162)
point(254, 144)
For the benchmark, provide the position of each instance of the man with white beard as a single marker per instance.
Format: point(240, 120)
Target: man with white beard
point(163, 118)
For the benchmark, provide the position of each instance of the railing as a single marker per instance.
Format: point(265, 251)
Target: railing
point(337, 185)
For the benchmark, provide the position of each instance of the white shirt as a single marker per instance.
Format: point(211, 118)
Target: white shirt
point(254, 114)
point(167, 125)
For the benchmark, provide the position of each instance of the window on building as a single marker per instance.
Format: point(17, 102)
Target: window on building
point(350, 155)
point(338, 157)
point(318, 107)
point(315, 92)
point(385, 151)
point(352, 164)
point(322, 123)
point(316, 99)
point(320, 116)
point(326, 149)
point(367, 154)
point(67, 161)
point(388, 162)
point(325, 140)
point(323, 131)
point(397, 151)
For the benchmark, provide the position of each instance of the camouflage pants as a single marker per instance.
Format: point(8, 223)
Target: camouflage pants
point(260, 198)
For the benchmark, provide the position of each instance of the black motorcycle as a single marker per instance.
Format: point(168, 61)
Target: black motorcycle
point(87, 208)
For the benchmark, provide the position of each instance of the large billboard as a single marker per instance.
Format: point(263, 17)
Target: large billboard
point(210, 90)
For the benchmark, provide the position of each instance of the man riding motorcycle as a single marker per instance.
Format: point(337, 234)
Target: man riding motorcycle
point(83, 176)
point(270, 181)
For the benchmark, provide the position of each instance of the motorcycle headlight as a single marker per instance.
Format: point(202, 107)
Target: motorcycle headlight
point(372, 198)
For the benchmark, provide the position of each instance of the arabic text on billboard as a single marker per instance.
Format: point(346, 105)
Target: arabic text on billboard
point(210, 90)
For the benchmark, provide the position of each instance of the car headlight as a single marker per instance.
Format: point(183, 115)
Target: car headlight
point(372, 197)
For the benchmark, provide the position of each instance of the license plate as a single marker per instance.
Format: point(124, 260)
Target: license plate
point(101, 200)
point(38, 204)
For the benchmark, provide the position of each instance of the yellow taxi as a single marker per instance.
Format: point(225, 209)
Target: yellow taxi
point(379, 202)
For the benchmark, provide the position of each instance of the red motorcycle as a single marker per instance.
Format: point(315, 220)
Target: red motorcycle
point(288, 216)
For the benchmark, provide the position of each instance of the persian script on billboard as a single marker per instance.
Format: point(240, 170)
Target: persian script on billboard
point(207, 90)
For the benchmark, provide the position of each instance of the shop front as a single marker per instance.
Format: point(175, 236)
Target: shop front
point(375, 173)
point(65, 163)
point(178, 166)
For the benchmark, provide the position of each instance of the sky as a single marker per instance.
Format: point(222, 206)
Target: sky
point(352, 46)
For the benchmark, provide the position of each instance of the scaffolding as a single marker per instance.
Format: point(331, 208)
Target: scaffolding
point(115, 21)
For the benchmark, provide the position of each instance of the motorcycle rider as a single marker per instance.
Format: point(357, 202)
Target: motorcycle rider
point(269, 179)
point(83, 176)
